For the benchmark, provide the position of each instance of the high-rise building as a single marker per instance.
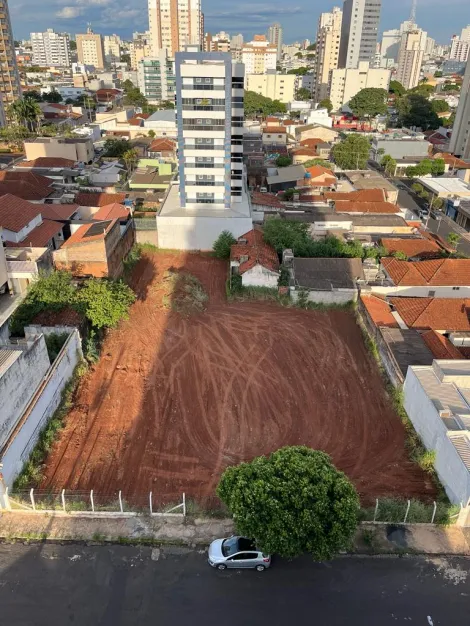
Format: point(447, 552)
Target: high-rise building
point(51, 49)
point(460, 142)
point(410, 57)
point(328, 42)
point(346, 83)
point(174, 25)
point(359, 32)
point(237, 41)
point(112, 49)
point(210, 195)
point(2, 113)
point(459, 49)
point(275, 38)
point(90, 49)
point(259, 55)
point(219, 42)
point(139, 49)
point(9, 77)
point(390, 44)
point(156, 77)
point(276, 86)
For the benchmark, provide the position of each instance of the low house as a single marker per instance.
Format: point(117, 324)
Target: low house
point(437, 278)
point(444, 315)
point(114, 212)
point(459, 211)
point(440, 346)
point(163, 123)
point(96, 249)
point(45, 163)
point(109, 97)
point(26, 185)
point(162, 148)
point(316, 131)
point(302, 155)
point(446, 187)
point(151, 175)
point(284, 177)
point(106, 176)
point(415, 248)
point(255, 261)
point(368, 179)
point(77, 149)
point(265, 203)
point(455, 165)
point(321, 147)
point(273, 136)
point(23, 225)
point(317, 178)
point(89, 203)
point(326, 281)
point(436, 399)
point(375, 208)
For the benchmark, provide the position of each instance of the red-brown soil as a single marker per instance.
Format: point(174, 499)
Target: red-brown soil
point(174, 400)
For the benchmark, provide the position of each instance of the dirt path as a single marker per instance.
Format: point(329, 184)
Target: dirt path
point(174, 401)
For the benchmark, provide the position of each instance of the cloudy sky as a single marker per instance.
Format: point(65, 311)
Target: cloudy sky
point(299, 17)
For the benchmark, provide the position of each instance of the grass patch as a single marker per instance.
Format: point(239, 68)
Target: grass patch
point(31, 474)
point(393, 510)
point(134, 256)
point(183, 293)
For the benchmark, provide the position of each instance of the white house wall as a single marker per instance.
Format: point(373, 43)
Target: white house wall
point(258, 276)
point(425, 418)
point(336, 296)
point(422, 292)
point(198, 233)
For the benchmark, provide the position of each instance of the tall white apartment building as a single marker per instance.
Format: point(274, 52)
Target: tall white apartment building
point(275, 38)
point(219, 42)
point(175, 24)
point(359, 32)
point(346, 83)
point(112, 49)
point(259, 55)
point(328, 42)
point(51, 49)
point(210, 195)
point(460, 142)
point(459, 49)
point(390, 44)
point(156, 77)
point(410, 57)
point(90, 49)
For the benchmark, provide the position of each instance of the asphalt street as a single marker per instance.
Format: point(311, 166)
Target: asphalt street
point(54, 585)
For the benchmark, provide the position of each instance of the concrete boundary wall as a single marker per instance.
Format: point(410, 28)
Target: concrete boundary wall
point(40, 409)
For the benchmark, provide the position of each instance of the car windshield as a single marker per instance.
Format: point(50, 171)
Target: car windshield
point(230, 546)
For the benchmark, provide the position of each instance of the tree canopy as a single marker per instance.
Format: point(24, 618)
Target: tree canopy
point(440, 106)
point(369, 102)
point(326, 104)
point(436, 167)
point(283, 161)
point(223, 244)
point(352, 153)
point(414, 109)
point(115, 147)
point(293, 501)
point(256, 104)
point(397, 88)
point(105, 302)
point(303, 94)
point(300, 71)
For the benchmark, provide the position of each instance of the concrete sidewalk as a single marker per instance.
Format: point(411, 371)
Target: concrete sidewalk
point(129, 528)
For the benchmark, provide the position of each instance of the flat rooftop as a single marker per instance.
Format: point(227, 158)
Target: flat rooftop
point(171, 207)
point(445, 185)
point(368, 179)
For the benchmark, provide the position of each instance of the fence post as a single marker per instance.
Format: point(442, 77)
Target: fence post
point(31, 495)
point(120, 503)
point(184, 504)
point(434, 513)
point(150, 503)
point(376, 508)
point(63, 500)
point(92, 501)
point(407, 509)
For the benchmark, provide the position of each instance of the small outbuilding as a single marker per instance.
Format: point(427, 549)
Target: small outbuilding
point(255, 261)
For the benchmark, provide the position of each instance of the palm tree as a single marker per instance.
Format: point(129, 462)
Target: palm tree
point(26, 112)
point(130, 158)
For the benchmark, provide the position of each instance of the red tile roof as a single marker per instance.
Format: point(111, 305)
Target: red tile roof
point(361, 195)
point(379, 311)
point(416, 247)
point(136, 121)
point(310, 152)
point(162, 145)
point(99, 199)
point(40, 236)
point(16, 213)
point(272, 119)
point(435, 313)
point(452, 160)
point(47, 162)
point(440, 346)
point(113, 211)
point(272, 130)
point(79, 236)
point(311, 143)
point(438, 272)
point(317, 171)
point(266, 199)
point(25, 185)
point(345, 206)
point(257, 251)
point(58, 211)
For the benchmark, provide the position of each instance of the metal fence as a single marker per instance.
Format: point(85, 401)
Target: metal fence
point(402, 511)
point(94, 502)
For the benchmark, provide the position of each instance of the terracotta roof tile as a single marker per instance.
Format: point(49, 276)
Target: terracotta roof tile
point(344, 206)
point(311, 143)
point(58, 211)
point(113, 211)
point(412, 247)
point(162, 145)
point(47, 162)
point(40, 236)
point(99, 199)
point(379, 311)
point(305, 152)
point(318, 170)
point(257, 251)
point(438, 272)
point(452, 160)
point(16, 213)
point(440, 346)
point(272, 130)
point(25, 185)
point(361, 195)
point(266, 199)
point(449, 314)
point(80, 235)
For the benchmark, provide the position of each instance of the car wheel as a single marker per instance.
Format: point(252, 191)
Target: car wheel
point(221, 566)
point(260, 568)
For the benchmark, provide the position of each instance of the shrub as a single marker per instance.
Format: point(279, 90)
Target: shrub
point(54, 343)
point(223, 245)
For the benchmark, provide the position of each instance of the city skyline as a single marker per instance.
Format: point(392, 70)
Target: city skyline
point(298, 20)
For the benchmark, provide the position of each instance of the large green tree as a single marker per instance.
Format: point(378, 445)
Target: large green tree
point(105, 302)
point(256, 104)
point(303, 94)
point(223, 244)
point(292, 502)
point(416, 110)
point(26, 112)
point(396, 87)
point(440, 106)
point(326, 104)
point(369, 102)
point(352, 153)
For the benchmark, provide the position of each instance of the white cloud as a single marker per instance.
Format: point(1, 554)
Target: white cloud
point(69, 13)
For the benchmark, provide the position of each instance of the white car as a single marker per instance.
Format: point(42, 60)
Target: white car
point(237, 552)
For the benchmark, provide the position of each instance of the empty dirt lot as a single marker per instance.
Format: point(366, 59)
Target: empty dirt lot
point(175, 400)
